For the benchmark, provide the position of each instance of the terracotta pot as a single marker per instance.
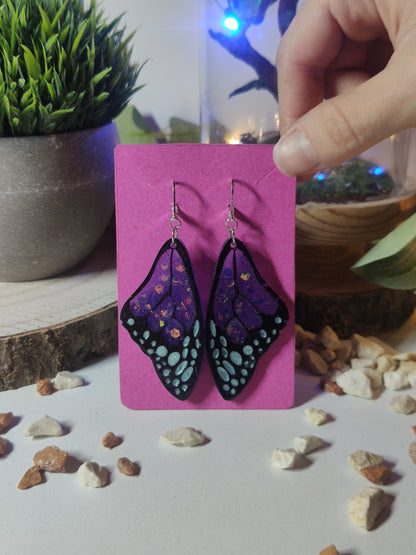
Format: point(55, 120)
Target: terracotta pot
point(56, 200)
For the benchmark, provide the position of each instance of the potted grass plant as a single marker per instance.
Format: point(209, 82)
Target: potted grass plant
point(65, 74)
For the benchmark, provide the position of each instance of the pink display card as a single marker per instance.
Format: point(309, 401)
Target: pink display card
point(264, 203)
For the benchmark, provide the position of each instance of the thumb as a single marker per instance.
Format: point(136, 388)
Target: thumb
point(346, 125)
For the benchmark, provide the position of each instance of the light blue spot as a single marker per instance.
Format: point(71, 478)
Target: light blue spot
point(161, 351)
point(193, 362)
point(234, 382)
point(187, 374)
point(223, 374)
point(213, 328)
point(263, 334)
point(229, 367)
point(194, 353)
point(166, 373)
point(278, 320)
point(242, 381)
point(135, 333)
point(146, 334)
point(130, 322)
point(215, 353)
point(268, 340)
point(185, 353)
point(211, 344)
point(248, 350)
point(153, 343)
point(184, 387)
point(196, 328)
point(141, 341)
point(173, 358)
point(197, 343)
point(224, 352)
point(180, 368)
point(186, 341)
point(150, 351)
point(176, 382)
point(167, 381)
point(232, 391)
point(223, 341)
point(244, 372)
point(226, 387)
point(177, 391)
point(274, 332)
point(236, 358)
point(256, 342)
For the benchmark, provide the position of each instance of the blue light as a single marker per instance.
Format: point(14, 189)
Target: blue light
point(377, 170)
point(231, 23)
point(320, 176)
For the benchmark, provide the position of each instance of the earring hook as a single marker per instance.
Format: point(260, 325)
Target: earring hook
point(231, 224)
point(174, 223)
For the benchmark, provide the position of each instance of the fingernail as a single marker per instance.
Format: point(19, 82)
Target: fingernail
point(295, 155)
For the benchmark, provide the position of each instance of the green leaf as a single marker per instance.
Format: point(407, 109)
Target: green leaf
point(392, 261)
point(32, 64)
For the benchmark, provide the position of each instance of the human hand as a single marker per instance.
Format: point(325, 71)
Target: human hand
point(360, 56)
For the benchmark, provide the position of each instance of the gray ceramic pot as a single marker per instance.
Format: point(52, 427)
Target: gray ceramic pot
point(56, 200)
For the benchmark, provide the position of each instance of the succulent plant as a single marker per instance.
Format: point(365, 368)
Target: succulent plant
point(63, 67)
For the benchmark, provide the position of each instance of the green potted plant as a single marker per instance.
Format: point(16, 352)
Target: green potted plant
point(65, 74)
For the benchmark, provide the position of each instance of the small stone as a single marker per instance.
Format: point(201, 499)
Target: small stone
point(51, 459)
point(366, 505)
point(286, 458)
point(388, 349)
point(407, 366)
point(377, 474)
point(412, 379)
point(338, 366)
point(366, 348)
point(361, 363)
point(328, 338)
point(3, 446)
point(360, 459)
point(317, 417)
point(66, 380)
point(330, 550)
point(32, 477)
point(329, 386)
point(312, 362)
point(395, 380)
point(45, 426)
point(110, 440)
point(6, 419)
point(307, 444)
point(344, 351)
point(412, 451)
point(127, 467)
point(355, 382)
point(403, 404)
point(93, 475)
point(44, 387)
point(386, 363)
point(184, 437)
point(375, 377)
point(328, 355)
point(414, 429)
point(404, 356)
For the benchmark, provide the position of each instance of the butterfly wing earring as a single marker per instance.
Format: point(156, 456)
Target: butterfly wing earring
point(244, 315)
point(164, 316)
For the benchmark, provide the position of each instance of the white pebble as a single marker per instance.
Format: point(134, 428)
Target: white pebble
point(403, 404)
point(395, 380)
point(412, 379)
point(93, 475)
point(366, 348)
point(184, 437)
point(286, 458)
point(360, 459)
point(45, 426)
point(407, 366)
point(66, 380)
point(366, 505)
point(386, 363)
point(307, 444)
point(317, 417)
point(355, 382)
point(360, 363)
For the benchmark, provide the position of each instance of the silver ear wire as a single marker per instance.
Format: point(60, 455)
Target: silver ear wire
point(174, 223)
point(231, 224)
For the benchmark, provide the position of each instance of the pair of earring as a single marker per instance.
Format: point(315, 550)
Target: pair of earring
point(164, 315)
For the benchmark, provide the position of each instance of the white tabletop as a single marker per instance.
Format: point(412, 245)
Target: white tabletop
point(222, 498)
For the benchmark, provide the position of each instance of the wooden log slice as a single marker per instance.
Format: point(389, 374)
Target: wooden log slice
point(57, 324)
